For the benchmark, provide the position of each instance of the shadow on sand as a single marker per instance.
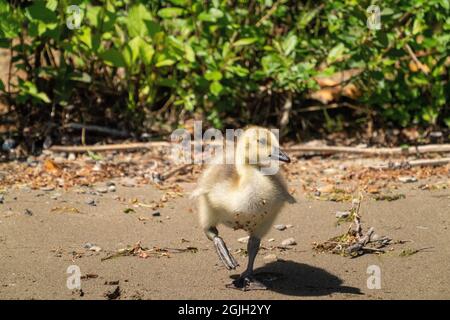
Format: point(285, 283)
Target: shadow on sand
point(298, 279)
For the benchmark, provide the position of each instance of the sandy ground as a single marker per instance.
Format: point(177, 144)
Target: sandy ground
point(37, 249)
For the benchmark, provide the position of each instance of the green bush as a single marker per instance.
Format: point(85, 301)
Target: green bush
point(137, 64)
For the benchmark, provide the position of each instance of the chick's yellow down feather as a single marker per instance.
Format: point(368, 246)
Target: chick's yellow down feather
point(240, 195)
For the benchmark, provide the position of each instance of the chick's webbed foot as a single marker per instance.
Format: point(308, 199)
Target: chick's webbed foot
point(247, 283)
point(224, 255)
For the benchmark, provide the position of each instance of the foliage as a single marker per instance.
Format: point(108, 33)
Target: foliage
point(140, 63)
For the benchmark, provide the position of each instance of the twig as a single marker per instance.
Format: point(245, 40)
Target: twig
point(432, 148)
point(413, 163)
point(374, 151)
point(268, 14)
point(174, 171)
point(416, 60)
point(334, 106)
point(111, 147)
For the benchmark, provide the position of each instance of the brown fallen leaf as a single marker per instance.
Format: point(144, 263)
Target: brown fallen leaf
point(65, 210)
point(50, 166)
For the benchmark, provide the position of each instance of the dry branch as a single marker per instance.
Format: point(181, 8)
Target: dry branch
point(354, 243)
point(432, 148)
point(413, 163)
point(413, 56)
point(174, 171)
point(111, 147)
point(436, 148)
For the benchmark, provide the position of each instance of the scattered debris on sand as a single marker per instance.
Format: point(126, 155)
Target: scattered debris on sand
point(113, 294)
point(141, 252)
point(354, 242)
point(409, 252)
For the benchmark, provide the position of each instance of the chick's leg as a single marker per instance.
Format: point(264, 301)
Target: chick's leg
point(221, 248)
point(246, 280)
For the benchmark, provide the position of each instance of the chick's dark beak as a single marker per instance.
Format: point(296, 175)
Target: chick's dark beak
point(281, 156)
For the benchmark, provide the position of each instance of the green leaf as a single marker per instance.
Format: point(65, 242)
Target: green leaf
point(387, 12)
point(179, 2)
point(2, 86)
point(52, 4)
point(289, 44)
point(165, 63)
point(238, 70)
point(146, 51)
point(445, 4)
point(307, 17)
point(83, 77)
point(85, 36)
point(447, 122)
point(5, 43)
point(131, 51)
point(207, 17)
point(93, 15)
point(168, 13)
point(216, 13)
point(213, 75)
point(38, 11)
point(28, 88)
point(244, 42)
point(152, 27)
point(336, 53)
point(189, 53)
point(41, 96)
point(94, 156)
point(113, 57)
point(136, 20)
point(418, 25)
point(215, 88)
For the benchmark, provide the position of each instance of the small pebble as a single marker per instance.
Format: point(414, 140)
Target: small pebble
point(128, 182)
point(271, 240)
point(28, 212)
point(342, 214)
point(72, 157)
point(156, 214)
point(288, 242)
point(329, 171)
point(88, 245)
point(102, 189)
point(326, 188)
point(32, 162)
point(407, 179)
point(270, 258)
point(8, 144)
point(95, 248)
point(112, 188)
point(280, 227)
point(47, 188)
point(2, 198)
point(90, 202)
point(243, 239)
point(55, 196)
point(288, 226)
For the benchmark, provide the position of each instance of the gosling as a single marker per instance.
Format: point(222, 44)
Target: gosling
point(246, 194)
